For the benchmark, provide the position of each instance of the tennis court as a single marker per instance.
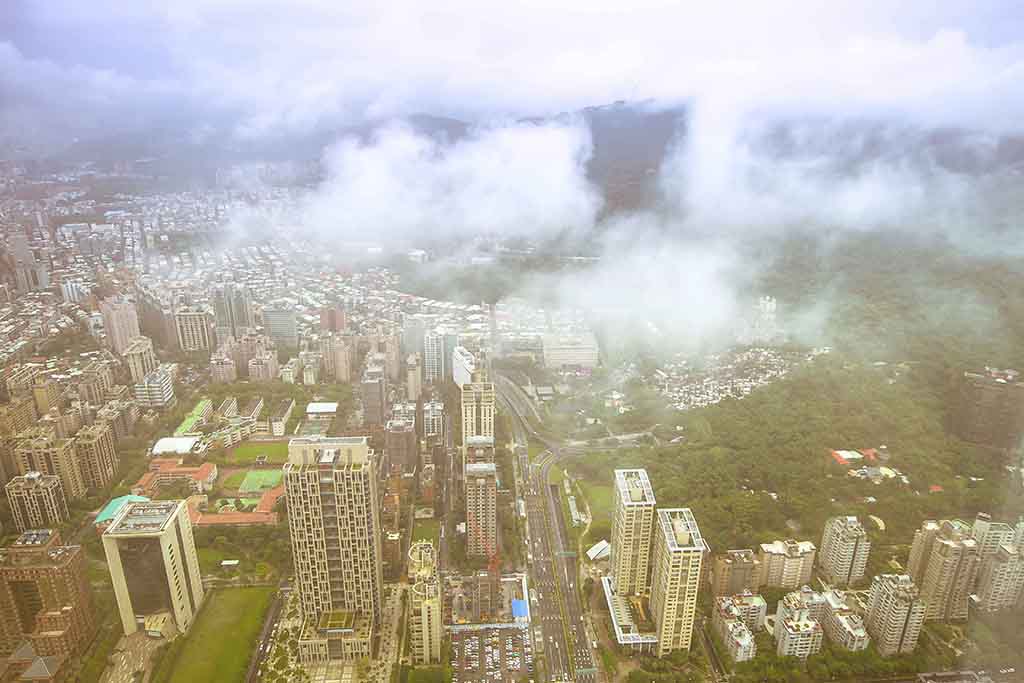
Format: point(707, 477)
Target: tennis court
point(260, 480)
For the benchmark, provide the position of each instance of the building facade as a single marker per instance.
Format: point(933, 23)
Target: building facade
point(120, 322)
point(895, 614)
point(334, 522)
point(950, 572)
point(37, 501)
point(786, 564)
point(153, 563)
point(139, 357)
point(735, 571)
point(97, 455)
point(45, 597)
point(39, 450)
point(844, 551)
point(481, 509)
point(478, 403)
point(632, 531)
point(675, 577)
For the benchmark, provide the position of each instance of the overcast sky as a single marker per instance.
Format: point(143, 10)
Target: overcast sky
point(263, 67)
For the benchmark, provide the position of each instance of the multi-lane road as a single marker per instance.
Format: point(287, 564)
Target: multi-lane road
point(558, 609)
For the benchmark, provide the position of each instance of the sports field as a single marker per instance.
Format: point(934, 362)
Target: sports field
point(257, 481)
point(219, 644)
point(247, 452)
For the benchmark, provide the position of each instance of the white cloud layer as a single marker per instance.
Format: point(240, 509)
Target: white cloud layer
point(267, 67)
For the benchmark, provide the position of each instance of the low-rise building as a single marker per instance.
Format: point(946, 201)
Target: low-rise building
point(842, 625)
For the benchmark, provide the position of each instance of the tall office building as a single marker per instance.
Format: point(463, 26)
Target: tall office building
point(45, 597)
point(631, 533)
point(401, 445)
point(950, 571)
point(481, 509)
point(433, 357)
point(1001, 579)
point(477, 409)
point(279, 323)
point(37, 501)
point(786, 564)
point(153, 563)
point(463, 364)
point(334, 522)
point(844, 550)
point(39, 450)
point(232, 310)
point(140, 358)
point(675, 577)
point(374, 394)
point(97, 455)
point(413, 377)
point(990, 409)
point(895, 614)
point(426, 626)
point(196, 330)
point(735, 571)
point(120, 322)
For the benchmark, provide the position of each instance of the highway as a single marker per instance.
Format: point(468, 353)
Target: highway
point(553, 564)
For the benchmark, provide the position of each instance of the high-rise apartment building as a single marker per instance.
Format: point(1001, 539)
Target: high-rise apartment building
point(1001, 579)
point(675, 577)
point(223, 369)
point(993, 535)
point(332, 318)
point(895, 614)
point(477, 409)
point(196, 331)
point(232, 310)
point(735, 571)
point(990, 409)
point(334, 522)
point(786, 564)
point(120, 322)
point(336, 353)
point(139, 357)
point(97, 454)
point(921, 550)
point(37, 501)
point(798, 635)
point(426, 627)
point(950, 571)
point(153, 563)
point(481, 509)
point(632, 531)
point(156, 390)
point(844, 551)
point(433, 420)
point(45, 597)
point(39, 450)
point(264, 367)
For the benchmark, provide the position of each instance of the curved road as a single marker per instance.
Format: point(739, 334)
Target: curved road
point(553, 565)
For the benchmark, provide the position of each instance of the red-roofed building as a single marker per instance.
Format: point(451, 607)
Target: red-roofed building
point(262, 514)
point(164, 471)
point(935, 488)
point(839, 459)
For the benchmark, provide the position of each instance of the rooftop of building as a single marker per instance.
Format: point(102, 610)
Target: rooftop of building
point(321, 407)
point(33, 479)
point(789, 547)
point(115, 505)
point(634, 487)
point(679, 529)
point(481, 469)
point(139, 519)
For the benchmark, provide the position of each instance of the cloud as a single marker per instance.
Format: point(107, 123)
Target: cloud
point(514, 179)
point(264, 68)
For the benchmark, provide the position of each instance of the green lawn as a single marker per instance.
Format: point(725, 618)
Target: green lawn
point(600, 498)
point(221, 641)
point(246, 452)
point(258, 481)
point(234, 480)
point(427, 530)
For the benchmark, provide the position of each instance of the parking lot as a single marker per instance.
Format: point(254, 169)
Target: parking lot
point(492, 655)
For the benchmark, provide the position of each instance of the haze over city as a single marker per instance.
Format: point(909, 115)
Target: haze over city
point(549, 341)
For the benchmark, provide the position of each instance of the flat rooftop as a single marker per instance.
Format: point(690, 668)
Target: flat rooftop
point(143, 518)
point(480, 468)
point(634, 487)
point(680, 529)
